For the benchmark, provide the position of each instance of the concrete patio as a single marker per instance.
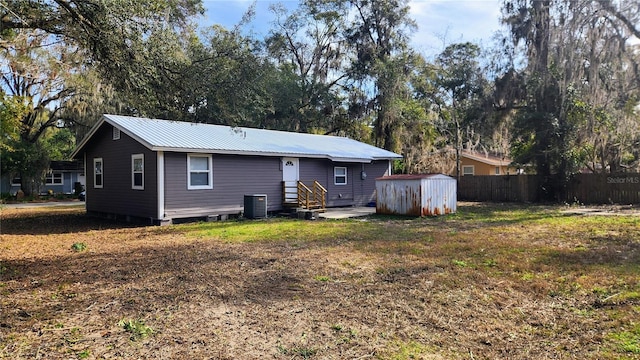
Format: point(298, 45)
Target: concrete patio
point(347, 212)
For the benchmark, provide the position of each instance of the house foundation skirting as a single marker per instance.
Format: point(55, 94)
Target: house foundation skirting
point(138, 220)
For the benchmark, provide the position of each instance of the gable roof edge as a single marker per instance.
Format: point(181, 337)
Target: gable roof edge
point(493, 161)
point(94, 129)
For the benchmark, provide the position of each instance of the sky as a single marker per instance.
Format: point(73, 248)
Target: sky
point(440, 22)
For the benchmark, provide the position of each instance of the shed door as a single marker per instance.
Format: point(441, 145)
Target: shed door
point(290, 176)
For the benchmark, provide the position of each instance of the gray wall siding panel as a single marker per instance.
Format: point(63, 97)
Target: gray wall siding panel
point(356, 192)
point(367, 190)
point(343, 195)
point(233, 177)
point(322, 171)
point(314, 169)
point(116, 196)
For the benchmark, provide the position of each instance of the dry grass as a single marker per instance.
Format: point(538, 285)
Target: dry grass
point(491, 282)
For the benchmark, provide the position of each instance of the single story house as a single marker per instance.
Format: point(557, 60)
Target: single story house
point(62, 177)
point(164, 170)
point(475, 163)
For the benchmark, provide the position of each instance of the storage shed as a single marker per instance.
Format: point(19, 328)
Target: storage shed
point(416, 195)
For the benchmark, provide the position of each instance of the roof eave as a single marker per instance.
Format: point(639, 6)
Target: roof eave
point(268, 153)
point(494, 162)
point(229, 152)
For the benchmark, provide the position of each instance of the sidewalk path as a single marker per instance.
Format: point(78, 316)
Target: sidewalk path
point(28, 205)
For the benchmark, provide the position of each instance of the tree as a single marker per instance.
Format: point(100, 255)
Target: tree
point(134, 51)
point(110, 31)
point(69, 61)
point(579, 69)
point(462, 82)
point(308, 47)
point(379, 34)
point(12, 109)
point(39, 76)
point(224, 81)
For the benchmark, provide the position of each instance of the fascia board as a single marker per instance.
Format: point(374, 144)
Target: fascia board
point(259, 153)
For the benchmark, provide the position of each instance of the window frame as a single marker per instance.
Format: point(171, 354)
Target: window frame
point(497, 170)
point(115, 134)
point(17, 177)
point(50, 178)
point(209, 172)
point(473, 170)
point(336, 175)
point(95, 173)
point(135, 157)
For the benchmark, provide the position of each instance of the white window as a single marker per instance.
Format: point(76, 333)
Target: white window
point(116, 133)
point(467, 170)
point(497, 170)
point(137, 172)
point(340, 175)
point(199, 172)
point(97, 173)
point(53, 178)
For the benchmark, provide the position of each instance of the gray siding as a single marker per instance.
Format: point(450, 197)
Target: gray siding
point(356, 192)
point(366, 192)
point(233, 177)
point(116, 196)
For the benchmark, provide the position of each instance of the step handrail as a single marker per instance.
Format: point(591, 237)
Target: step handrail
point(319, 194)
point(305, 195)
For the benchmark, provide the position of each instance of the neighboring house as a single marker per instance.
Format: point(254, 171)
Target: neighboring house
point(61, 178)
point(475, 163)
point(164, 170)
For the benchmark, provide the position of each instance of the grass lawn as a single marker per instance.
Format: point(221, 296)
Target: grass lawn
point(490, 282)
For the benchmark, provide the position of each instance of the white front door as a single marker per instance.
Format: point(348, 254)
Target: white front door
point(290, 176)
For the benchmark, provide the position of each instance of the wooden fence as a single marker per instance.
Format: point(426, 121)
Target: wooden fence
point(583, 188)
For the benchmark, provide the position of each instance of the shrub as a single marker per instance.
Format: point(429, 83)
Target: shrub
point(79, 246)
point(137, 328)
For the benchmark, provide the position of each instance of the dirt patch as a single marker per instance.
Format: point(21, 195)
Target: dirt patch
point(604, 210)
point(395, 288)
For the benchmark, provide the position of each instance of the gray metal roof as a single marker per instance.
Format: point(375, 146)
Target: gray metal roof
point(165, 135)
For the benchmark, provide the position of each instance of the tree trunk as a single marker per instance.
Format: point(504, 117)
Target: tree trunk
point(26, 185)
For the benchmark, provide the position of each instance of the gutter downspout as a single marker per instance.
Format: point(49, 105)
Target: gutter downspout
point(86, 178)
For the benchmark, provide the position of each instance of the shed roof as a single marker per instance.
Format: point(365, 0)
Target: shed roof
point(178, 136)
point(415, 177)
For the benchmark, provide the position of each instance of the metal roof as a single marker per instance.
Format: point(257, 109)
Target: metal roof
point(415, 177)
point(177, 136)
point(486, 158)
